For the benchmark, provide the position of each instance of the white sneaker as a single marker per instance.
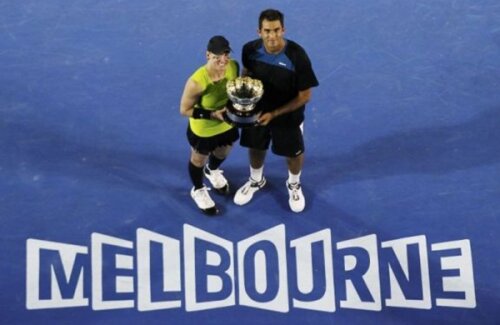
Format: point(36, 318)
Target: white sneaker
point(204, 201)
point(218, 181)
point(297, 201)
point(245, 193)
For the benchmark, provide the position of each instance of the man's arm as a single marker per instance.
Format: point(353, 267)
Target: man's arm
point(301, 99)
point(245, 72)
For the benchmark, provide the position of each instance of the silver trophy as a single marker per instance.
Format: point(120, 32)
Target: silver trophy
point(244, 93)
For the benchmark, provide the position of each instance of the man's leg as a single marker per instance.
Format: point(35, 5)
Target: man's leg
point(252, 138)
point(257, 158)
point(256, 181)
point(295, 164)
point(297, 201)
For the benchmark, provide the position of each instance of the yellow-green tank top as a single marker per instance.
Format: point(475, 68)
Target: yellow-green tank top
point(213, 97)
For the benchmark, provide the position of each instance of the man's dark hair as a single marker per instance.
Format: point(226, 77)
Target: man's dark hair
point(271, 15)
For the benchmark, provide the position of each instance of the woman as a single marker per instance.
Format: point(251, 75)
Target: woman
point(211, 139)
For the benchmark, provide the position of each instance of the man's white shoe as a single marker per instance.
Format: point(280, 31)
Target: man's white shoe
point(204, 201)
point(297, 201)
point(218, 181)
point(246, 192)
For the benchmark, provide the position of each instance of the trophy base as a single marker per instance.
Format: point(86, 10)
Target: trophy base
point(241, 121)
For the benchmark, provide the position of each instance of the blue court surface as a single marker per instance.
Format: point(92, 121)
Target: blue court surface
point(402, 170)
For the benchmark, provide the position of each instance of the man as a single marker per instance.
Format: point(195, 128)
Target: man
point(203, 101)
point(287, 75)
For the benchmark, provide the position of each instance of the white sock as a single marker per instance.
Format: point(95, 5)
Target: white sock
point(256, 174)
point(293, 179)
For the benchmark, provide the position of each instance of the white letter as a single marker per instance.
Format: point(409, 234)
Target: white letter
point(171, 269)
point(305, 276)
point(214, 271)
point(370, 276)
point(68, 255)
point(260, 291)
point(400, 248)
point(460, 283)
point(124, 284)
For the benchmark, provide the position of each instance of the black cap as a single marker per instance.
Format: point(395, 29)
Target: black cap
point(218, 45)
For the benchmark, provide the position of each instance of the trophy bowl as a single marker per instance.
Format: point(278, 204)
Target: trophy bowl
point(244, 93)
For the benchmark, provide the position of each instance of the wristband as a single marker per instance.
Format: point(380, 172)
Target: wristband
point(201, 113)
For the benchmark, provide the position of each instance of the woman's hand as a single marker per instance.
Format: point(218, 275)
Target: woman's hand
point(218, 114)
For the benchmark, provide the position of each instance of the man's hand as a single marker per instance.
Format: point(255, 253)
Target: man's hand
point(265, 118)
